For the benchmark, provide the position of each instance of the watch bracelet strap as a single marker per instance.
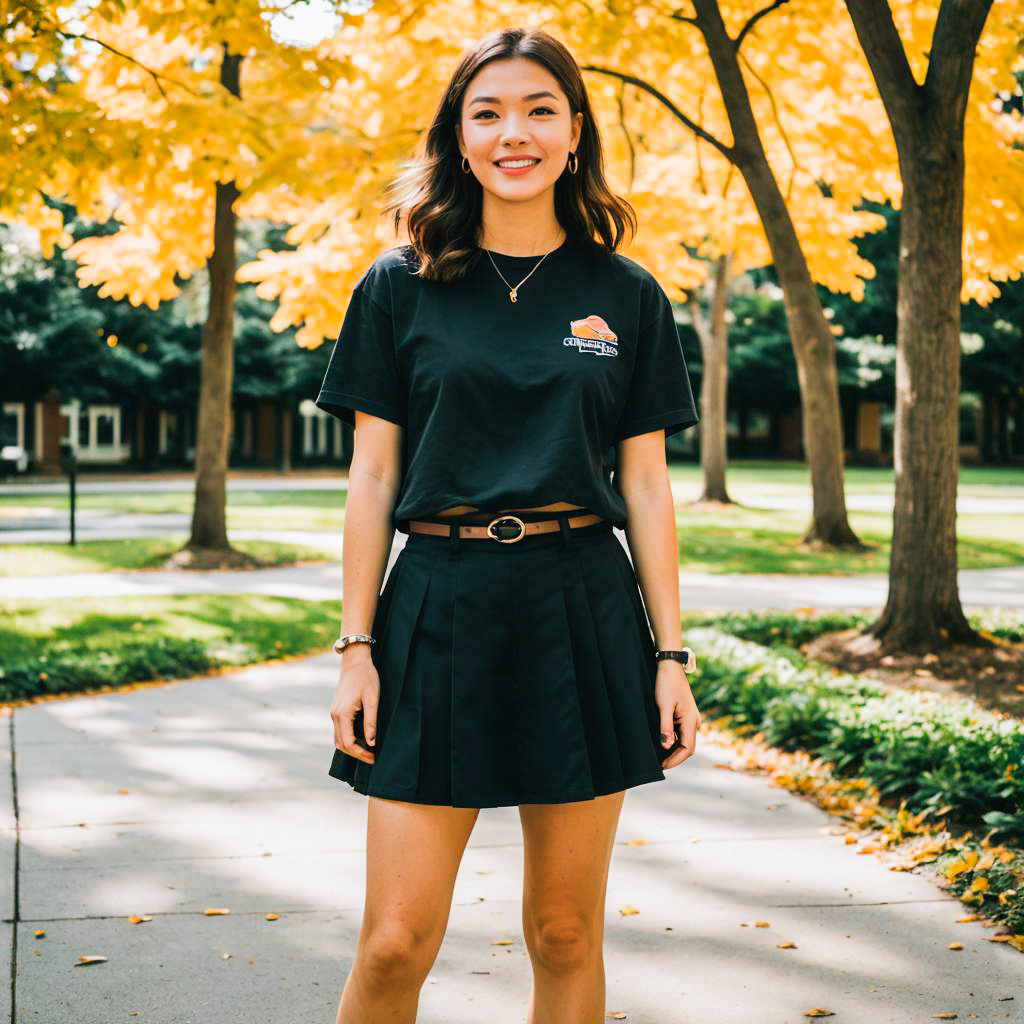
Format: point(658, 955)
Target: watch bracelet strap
point(352, 638)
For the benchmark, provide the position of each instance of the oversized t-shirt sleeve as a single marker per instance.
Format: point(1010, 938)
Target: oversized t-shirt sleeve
point(660, 394)
point(363, 369)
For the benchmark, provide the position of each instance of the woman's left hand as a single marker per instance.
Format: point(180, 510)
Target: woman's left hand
point(676, 706)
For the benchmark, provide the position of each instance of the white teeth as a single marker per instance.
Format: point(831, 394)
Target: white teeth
point(517, 163)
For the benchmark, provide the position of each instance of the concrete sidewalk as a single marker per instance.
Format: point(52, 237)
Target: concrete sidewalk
point(698, 590)
point(214, 793)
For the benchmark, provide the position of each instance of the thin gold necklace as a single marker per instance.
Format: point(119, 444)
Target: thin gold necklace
point(514, 291)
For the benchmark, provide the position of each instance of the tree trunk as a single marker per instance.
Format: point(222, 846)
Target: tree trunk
point(714, 345)
point(813, 342)
point(923, 611)
point(209, 514)
point(923, 607)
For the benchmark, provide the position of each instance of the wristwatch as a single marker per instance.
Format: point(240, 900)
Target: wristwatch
point(351, 638)
point(686, 656)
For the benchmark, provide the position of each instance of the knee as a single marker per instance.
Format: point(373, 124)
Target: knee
point(394, 954)
point(564, 945)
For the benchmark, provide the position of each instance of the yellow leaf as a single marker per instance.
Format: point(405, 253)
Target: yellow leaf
point(948, 1015)
point(210, 911)
point(503, 942)
point(637, 842)
point(817, 1011)
point(967, 917)
point(616, 1015)
point(40, 933)
point(786, 944)
point(628, 909)
point(979, 885)
point(956, 945)
point(270, 917)
point(83, 960)
point(139, 919)
point(761, 924)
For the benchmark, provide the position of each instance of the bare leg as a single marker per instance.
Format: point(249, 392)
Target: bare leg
point(413, 852)
point(567, 854)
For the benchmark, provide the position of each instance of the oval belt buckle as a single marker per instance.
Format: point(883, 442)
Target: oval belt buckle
point(500, 524)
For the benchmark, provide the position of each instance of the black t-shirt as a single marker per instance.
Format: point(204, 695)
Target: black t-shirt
point(511, 405)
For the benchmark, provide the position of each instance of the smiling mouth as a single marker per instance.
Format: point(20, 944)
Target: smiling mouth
point(517, 165)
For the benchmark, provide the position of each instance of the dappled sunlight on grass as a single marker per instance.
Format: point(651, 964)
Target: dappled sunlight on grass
point(740, 539)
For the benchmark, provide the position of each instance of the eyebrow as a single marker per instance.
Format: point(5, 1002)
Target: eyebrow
point(494, 99)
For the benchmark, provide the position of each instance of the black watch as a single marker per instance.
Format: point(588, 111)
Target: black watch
point(686, 656)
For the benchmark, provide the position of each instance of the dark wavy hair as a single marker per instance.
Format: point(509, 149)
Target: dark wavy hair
point(442, 206)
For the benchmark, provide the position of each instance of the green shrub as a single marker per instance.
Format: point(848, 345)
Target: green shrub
point(779, 627)
point(65, 671)
point(930, 750)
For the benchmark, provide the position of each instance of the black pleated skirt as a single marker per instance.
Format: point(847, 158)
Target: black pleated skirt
point(511, 673)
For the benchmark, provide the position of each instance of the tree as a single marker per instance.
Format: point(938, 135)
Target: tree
point(157, 133)
point(712, 334)
point(923, 608)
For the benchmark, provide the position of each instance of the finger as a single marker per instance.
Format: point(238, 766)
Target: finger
point(688, 728)
point(370, 717)
point(667, 727)
point(345, 735)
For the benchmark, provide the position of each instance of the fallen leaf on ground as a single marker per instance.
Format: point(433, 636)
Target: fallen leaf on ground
point(945, 1016)
point(40, 933)
point(955, 945)
point(967, 917)
point(817, 1011)
point(503, 942)
point(628, 909)
point(761, 924)
point(270, 917)
point(637, 842)
point(210, 911)
point(138, 919)
point(616, 1015)
point(83, 960)
point(786, 944)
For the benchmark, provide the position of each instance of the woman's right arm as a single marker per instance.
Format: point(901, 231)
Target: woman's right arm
point(374, 478)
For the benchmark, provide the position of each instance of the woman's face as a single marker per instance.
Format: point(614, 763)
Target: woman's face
point(514, 108)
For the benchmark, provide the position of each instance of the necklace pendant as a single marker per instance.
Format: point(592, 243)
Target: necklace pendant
point(512, 295)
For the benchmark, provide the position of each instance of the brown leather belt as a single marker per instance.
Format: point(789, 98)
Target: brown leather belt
point(505, 529)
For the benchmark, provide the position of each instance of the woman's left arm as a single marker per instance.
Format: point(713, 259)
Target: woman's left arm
point(642, 479)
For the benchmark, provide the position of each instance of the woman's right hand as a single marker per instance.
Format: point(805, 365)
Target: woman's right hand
point(358, 687)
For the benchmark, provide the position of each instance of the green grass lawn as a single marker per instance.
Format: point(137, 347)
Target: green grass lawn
point(130, 553)
point(744, 540)
point(64, 645)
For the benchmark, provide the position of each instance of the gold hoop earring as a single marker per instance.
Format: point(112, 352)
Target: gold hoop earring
point(465, 166)
point(574, 166)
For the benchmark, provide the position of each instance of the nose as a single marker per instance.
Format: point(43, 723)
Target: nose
point(512, 132)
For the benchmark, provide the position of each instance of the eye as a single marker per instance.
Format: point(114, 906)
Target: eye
point(477, 117)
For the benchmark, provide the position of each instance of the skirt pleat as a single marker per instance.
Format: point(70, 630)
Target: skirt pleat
point(511, 673)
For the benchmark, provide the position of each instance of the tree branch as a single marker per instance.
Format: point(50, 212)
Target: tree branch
point(155, 75)
point(883, 48)
point(754, 19)
point(620, 102)
point(778, 121)
point(726, 151)
point(951, 60)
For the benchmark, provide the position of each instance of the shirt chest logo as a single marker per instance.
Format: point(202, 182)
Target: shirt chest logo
point(592, 334)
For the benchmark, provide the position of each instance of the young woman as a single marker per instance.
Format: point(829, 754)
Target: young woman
point(490, 367)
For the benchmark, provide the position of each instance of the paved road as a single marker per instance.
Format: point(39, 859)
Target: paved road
point(214, 793)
